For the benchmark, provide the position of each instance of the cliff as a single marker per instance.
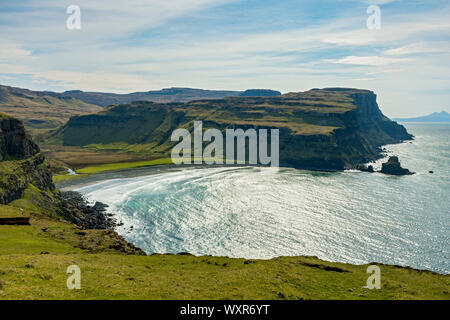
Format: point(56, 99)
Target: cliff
point(14, 142)
point(332, 128)
point(21, 163)
point(27, 190)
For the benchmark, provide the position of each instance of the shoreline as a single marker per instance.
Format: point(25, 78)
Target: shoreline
point(166, 164)
point(86, 179)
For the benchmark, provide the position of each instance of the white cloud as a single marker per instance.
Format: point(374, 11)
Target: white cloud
point(100, 20)
point(415, 26)
point(14, 51)
point(422, 47)
point(368, 60)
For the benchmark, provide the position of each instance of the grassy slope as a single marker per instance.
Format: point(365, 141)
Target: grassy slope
point(124, 165)
point(110, 276)
point(40, 111)
point(145, 128)
point(34, 259)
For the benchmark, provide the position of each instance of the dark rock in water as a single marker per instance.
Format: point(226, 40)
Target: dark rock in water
point(393, 167)
point(430, 171)
point(365, 168)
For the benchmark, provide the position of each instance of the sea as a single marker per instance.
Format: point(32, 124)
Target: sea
point(261, 213)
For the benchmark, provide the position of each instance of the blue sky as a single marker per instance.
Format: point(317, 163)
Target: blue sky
point(287, 45)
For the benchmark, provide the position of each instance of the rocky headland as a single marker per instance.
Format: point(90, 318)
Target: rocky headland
point(324, 129)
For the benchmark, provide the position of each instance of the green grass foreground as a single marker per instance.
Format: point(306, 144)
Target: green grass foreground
point(112, 276)
point(34, 260)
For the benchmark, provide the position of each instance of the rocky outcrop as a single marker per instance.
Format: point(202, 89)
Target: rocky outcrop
point(24, 167)
point(365, 168)
point(78, 211)
point(375, 126)
point(15, 143)
point(21, 163)
point(393, 167)
point(25, 175)
point(17, 175)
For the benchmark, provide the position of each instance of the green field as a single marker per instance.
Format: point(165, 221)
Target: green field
point(112, 276)
point(124, 165)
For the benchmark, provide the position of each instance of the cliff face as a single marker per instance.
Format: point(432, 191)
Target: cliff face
point(21, 163)
point(332, 128)
point(26, 188)
point(375, 126)
point(14, 142)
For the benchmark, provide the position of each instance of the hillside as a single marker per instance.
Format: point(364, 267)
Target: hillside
point(34, 258)
point(323, 129)
point(26, 186)
point(162, 96)
point(41, 110)
point(442, 116)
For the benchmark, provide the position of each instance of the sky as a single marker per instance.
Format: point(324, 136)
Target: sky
point(286, 45)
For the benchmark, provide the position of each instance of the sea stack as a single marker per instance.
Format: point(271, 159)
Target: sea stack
point(393, 167)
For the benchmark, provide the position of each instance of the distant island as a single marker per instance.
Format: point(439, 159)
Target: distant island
point(442, 116)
